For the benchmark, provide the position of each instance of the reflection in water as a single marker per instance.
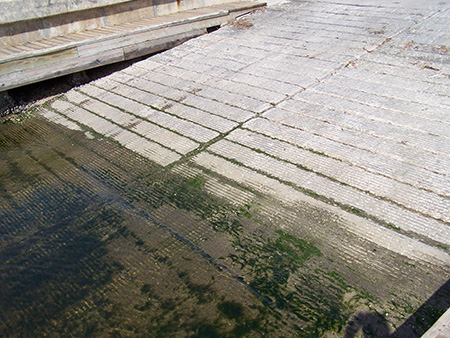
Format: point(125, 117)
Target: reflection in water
point(51, 250)
point(82, 256)
point(96, 241)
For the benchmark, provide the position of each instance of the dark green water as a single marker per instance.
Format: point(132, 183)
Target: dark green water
point(96, 241)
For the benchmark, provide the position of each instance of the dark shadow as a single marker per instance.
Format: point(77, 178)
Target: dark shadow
point(375, 325)
point(40, 90)
point(426, 315)
point(20, 99)
point(52, 251)
point(371, 324)
point(57, 260)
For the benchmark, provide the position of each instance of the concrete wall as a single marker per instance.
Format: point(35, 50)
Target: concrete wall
point(22, 21)
point(18, 10)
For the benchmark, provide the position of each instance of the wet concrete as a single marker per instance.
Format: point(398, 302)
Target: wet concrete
point(191, 195)
point(98, 241)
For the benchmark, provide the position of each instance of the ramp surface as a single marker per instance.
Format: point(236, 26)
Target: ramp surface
point(287, 175)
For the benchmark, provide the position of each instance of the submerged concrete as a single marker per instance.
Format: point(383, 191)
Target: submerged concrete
point(284, 175)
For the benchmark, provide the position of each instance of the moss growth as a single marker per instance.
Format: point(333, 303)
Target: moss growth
point(231, 309)
point(393, 227)
point(294, 298)
point(443, 247)
point(145, 289)
point(278, 267)
point(22, 116)
point(244, 211)
point(188, 194)
point(411, 265)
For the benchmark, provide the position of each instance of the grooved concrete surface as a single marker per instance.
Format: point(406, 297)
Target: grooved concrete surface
point(346, 101)
point(335, 109)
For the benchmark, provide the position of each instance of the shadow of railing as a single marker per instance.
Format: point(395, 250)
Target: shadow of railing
point(375, 325)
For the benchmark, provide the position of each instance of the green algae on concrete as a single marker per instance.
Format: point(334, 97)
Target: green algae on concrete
point(127, 248)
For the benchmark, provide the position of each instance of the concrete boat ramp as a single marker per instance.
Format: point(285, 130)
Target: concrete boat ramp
point(286, 175)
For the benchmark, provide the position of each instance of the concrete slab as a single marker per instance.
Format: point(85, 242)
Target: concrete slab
point(296, 161)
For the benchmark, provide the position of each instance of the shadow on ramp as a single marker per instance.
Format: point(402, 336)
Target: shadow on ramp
point(375, 325)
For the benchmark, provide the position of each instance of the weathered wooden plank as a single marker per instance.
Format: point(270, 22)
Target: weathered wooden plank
point(9, 50)
point(42, 44)
point(56, 69)
point(47, 60)
point(133, 37)
point(156, 45)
